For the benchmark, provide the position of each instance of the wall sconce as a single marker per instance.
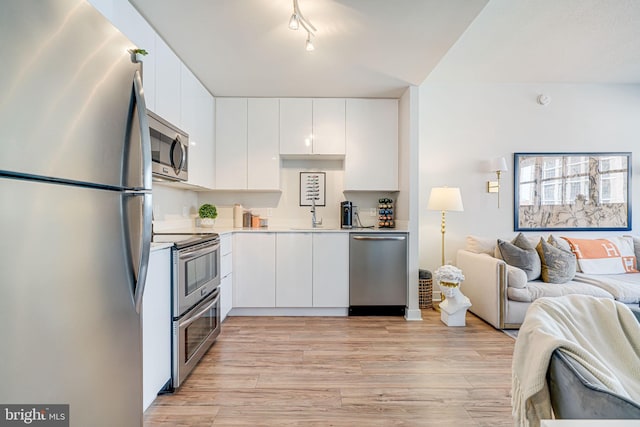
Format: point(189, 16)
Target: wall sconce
point(497, 165)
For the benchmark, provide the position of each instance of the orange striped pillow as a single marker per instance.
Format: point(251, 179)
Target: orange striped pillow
point(613, 255)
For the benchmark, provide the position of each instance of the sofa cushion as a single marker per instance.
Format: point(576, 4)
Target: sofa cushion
point(559, 242)
point(481, 245)
point(636, 246)
point(516, 277)
point(624, 287)
point(520, 253)
point(558, 265)
point(538, 289)
point(613, 255)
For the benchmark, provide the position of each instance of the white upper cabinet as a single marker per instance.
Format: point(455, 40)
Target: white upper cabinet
point(312, 127)
point(371, 160)
point(328, 126)
point(197, 120)
point(231, 144)
point(296, 126)
point(168, 65)
point(247, 155)
point(263, 132)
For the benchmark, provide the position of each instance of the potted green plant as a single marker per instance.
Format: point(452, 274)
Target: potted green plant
point(137, 55)
point(208, 214)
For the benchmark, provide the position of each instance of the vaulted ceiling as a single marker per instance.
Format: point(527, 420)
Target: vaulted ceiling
point(376, 48)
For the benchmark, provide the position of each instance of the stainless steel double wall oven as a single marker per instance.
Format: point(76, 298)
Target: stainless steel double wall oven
point(195, 300)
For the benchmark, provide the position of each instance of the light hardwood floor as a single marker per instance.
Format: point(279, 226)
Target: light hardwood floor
point(350, 371)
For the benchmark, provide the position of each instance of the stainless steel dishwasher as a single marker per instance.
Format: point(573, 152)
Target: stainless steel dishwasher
point(378, 274)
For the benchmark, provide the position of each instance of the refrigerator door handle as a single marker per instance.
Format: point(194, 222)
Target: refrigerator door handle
point(145, 138)
point(138, 232)
point(145, 250)
point(142, 247)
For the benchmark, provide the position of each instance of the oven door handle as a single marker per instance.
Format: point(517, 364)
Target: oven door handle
point(196, 316)
point(188, 256)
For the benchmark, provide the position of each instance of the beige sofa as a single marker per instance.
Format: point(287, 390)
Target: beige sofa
point(501, 296)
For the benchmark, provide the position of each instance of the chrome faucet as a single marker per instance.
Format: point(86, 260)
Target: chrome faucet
point(314, 221)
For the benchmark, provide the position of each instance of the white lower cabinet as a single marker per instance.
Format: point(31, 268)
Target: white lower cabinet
point(254, 267)
point(331, 269)
point(291, 271)
point(226, 276)
point(156, 326)
point(294, 270)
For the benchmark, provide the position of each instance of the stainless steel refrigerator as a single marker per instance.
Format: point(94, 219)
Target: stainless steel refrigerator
point(75, 213)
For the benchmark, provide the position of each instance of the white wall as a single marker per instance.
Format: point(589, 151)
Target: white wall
point(281, 208)
point(464, 126)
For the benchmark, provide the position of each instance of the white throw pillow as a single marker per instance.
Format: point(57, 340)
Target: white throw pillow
point(516, 277)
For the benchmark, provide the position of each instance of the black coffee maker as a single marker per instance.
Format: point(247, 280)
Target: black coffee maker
point(346, 214)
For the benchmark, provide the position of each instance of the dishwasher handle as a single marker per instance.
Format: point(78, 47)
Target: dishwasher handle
point(379, 237)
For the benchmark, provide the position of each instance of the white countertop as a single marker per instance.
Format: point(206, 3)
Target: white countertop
point(280, 229)
point(222, 230)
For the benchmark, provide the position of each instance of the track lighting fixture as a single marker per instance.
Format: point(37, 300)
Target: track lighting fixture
point(297, 19)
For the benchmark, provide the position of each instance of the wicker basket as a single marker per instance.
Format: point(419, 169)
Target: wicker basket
point(425, 293)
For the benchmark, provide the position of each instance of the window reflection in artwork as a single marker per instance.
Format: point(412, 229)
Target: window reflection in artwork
point(572, 191)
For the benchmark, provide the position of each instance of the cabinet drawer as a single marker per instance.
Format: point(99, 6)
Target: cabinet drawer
point(225, 244)
point(226, 263)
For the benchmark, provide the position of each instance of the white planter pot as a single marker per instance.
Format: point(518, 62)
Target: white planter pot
point(207, 222)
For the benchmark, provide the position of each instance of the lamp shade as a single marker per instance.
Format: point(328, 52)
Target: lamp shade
point(498, 164)
point(445, 199)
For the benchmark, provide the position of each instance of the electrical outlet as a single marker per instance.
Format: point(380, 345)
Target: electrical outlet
point(372, 212)
point(185, 211)
point(269, 212)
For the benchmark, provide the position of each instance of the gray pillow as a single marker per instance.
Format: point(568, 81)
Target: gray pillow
point(558, 265)
point(520, 253)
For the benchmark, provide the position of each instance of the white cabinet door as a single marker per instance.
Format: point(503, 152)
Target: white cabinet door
point(295, 126)
point(197, 120)
point(156, 326)
point(167, 103)
point(231, 143)
point(294, 270)
point(226, 296)
point(254, 270)
point(331, 269)
point(127, 19)
point(226, 275)
point(371, 159)
point(329, 126)
point(263, 161)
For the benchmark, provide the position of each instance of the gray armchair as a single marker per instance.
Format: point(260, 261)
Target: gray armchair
point(576, 394)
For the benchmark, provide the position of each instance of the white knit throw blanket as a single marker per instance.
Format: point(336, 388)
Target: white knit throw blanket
point(602, 334)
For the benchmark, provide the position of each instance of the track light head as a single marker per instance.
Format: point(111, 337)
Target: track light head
point(293, 22)
point(309, 45)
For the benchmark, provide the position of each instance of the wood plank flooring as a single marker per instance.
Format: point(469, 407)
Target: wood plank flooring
point(349, 371)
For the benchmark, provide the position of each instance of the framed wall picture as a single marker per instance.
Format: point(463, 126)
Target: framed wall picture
point(572, 191)
point(312, 187)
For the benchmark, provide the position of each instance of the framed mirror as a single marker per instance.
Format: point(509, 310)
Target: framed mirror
point(572, 191)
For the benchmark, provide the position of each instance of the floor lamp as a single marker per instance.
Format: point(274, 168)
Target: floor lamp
point(445, 199)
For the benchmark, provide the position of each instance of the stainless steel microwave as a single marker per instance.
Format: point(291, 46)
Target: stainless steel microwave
point(169, 149)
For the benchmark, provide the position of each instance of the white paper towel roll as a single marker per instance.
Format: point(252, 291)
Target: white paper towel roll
point(237, 216)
